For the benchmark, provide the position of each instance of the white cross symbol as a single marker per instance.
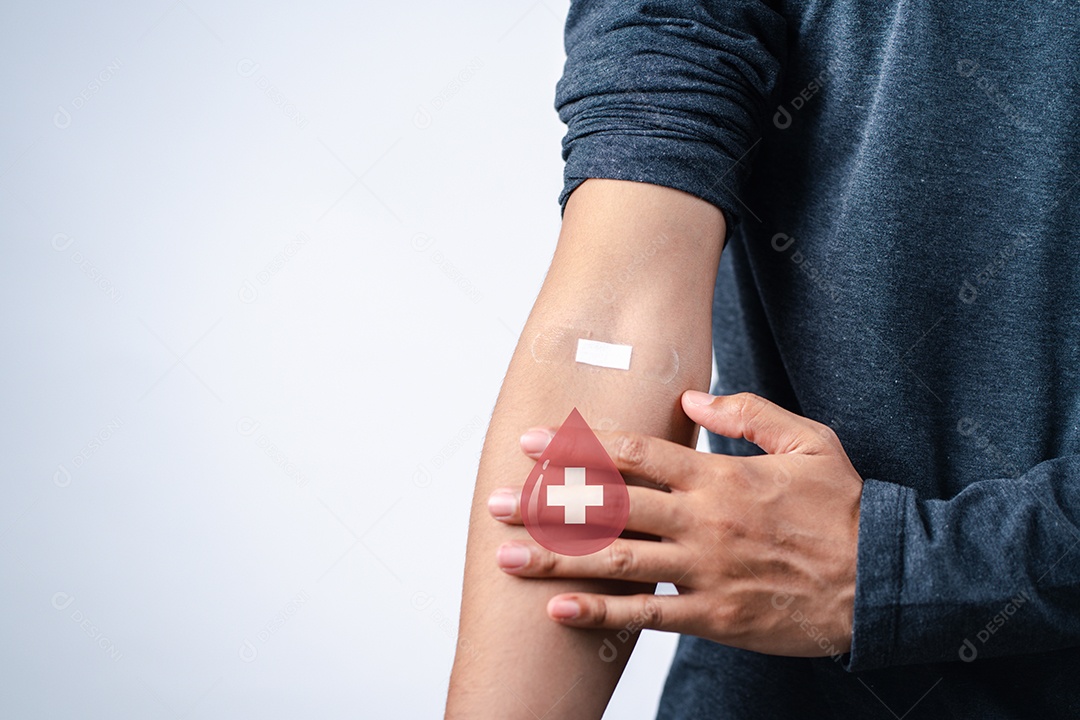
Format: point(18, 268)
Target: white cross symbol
point(573, 496)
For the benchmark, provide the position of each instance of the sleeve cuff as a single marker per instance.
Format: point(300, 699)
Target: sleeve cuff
point(693, 166)
point(878, 575)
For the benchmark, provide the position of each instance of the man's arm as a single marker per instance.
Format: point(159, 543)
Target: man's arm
point(635, 262)
point(672, 98)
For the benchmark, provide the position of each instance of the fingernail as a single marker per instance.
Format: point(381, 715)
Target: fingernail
point(564, 609)
point(535, 441)
point(512, 557)
point(501, 504)
point(698, 398)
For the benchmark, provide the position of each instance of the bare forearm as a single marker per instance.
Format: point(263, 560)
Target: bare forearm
point(634, 262)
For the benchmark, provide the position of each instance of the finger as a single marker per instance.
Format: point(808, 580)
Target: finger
point(658, 461)
point(766, 424)
point(651, 511)
point(504, 506)
point(636, 560)
point(618, 612)
point(534, 440)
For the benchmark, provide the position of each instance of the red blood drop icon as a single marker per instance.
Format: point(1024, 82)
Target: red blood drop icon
point(575, 500)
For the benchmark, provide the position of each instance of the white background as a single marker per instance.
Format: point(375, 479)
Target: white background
point(264, 265)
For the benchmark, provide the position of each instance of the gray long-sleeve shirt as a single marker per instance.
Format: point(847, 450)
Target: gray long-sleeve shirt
point(901, 182)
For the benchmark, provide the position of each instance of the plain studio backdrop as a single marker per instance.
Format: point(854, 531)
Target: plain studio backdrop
point(264, 266)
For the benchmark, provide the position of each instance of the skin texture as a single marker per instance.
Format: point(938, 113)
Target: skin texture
point(635, 263)
point(762, 549)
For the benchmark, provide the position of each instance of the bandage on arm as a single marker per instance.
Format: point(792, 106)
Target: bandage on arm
point(635, 266)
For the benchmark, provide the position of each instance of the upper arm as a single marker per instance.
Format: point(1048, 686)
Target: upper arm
point(637, 260)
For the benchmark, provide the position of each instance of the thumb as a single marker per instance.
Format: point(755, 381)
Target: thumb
point(766, 424)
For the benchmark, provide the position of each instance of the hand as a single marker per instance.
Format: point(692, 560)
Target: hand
point(762, 549)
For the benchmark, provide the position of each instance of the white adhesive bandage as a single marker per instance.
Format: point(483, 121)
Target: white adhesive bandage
point(647, 361)
point(602, 354)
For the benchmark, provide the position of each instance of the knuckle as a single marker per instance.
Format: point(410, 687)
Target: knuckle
point(749, 405)
point(544, 562)
point(728, 530)
point(828, 435)
point(620, 560)
point(652, 614)
point(598, 612)
point(676, 517)
point(632, 449)
point(727, 617)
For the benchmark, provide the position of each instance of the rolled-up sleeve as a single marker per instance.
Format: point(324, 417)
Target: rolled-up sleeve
point(669, 93)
